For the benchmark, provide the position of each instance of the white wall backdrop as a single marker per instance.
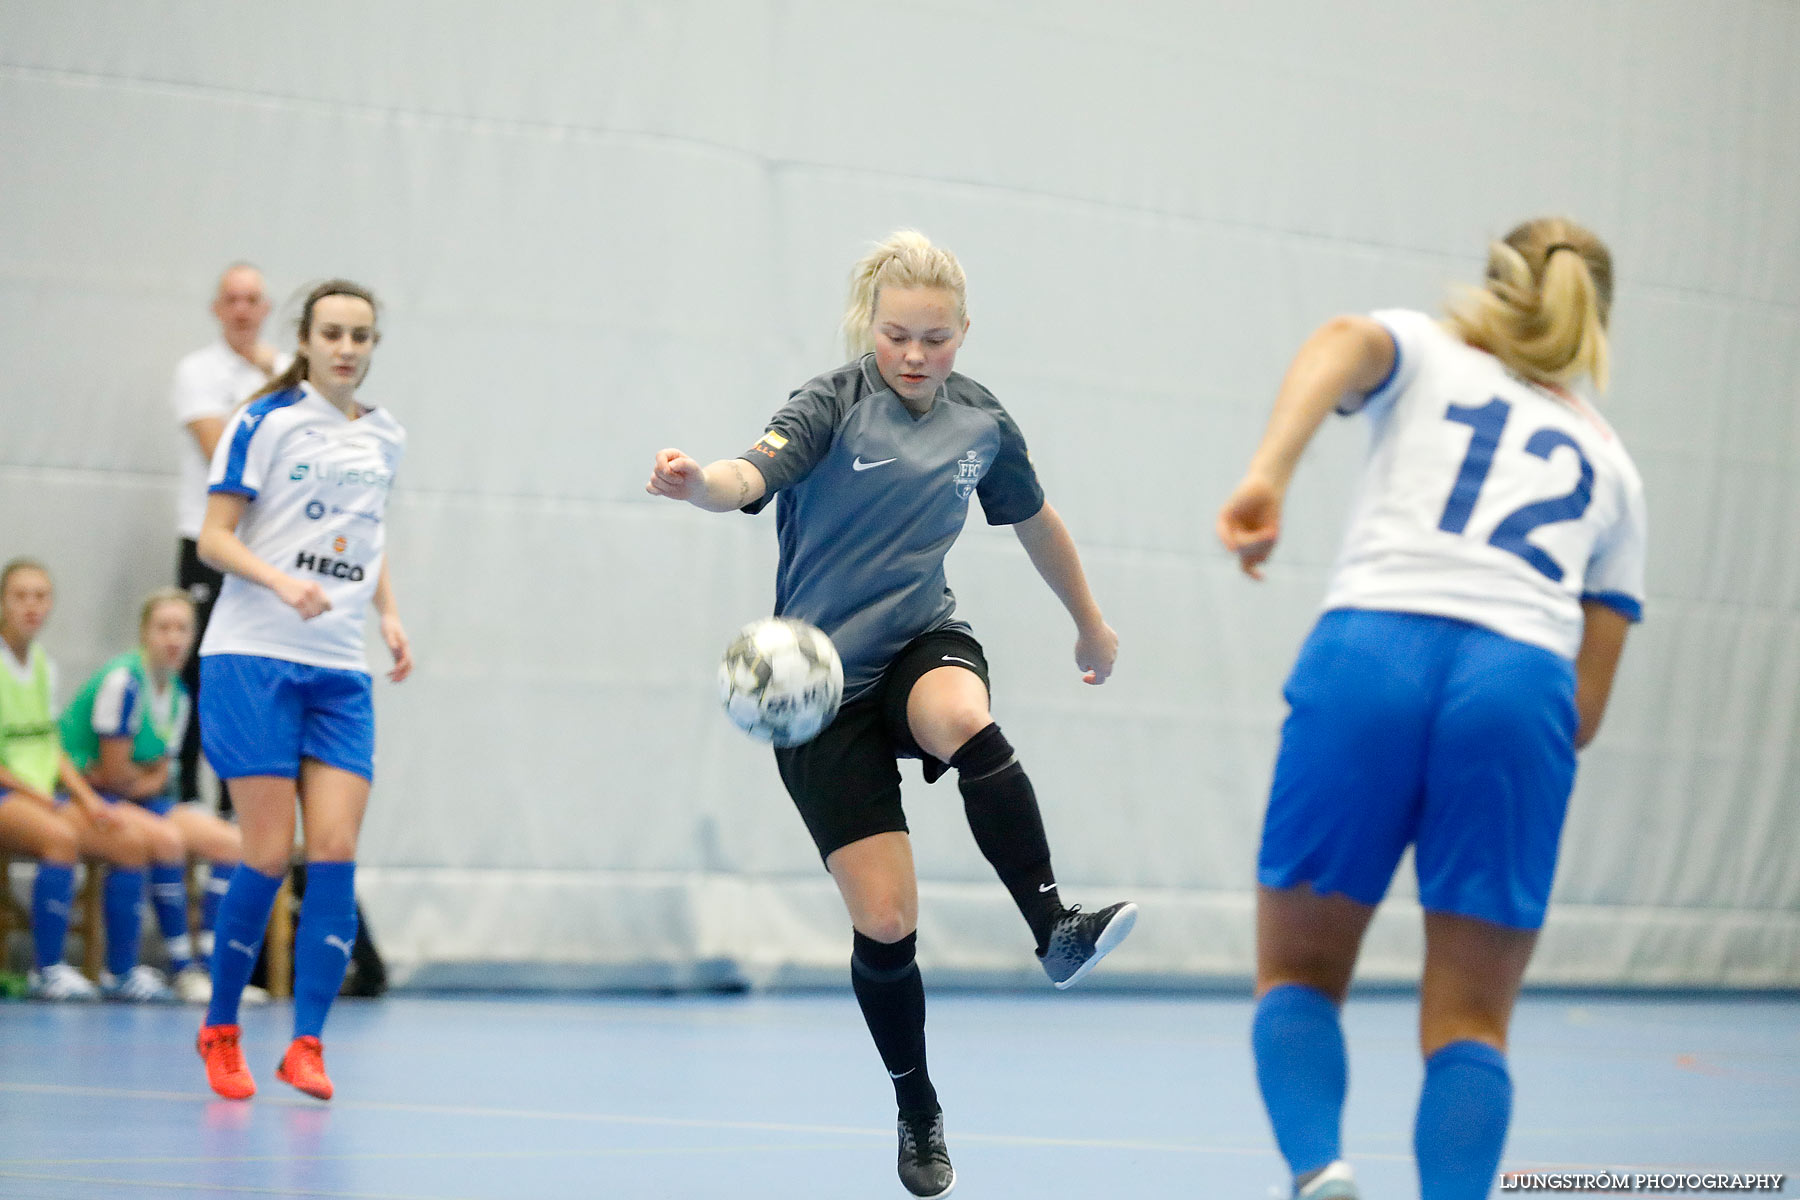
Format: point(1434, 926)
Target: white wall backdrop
point(600, 229)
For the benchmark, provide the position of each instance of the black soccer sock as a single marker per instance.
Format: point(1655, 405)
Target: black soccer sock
point(886, 979)
point(1003, 815)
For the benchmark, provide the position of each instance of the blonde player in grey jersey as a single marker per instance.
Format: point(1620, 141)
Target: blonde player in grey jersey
point(1494, 561)
point(875, 464)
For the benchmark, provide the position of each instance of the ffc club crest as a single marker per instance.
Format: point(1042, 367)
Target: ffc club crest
point(969, 470)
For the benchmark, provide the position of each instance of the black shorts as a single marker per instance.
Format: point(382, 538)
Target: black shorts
point(846, 781)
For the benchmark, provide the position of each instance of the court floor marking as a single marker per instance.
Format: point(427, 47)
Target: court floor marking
point(228, 1189)
point(451, 1110)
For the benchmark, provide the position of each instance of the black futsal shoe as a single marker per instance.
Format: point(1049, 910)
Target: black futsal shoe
point(1079, 940)
point(924, 1159)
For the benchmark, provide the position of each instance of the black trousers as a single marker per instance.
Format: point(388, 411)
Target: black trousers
point(201, 583)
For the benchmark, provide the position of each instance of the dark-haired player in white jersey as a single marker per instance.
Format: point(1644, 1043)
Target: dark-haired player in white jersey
point(296, 521)
point(1494, 561)
point(875, 465)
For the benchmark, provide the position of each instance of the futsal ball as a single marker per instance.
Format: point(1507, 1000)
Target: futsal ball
point(781, 681)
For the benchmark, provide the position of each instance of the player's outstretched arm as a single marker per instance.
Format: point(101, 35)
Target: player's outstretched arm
point(1052, 551)
point(221, 549)
point(1345, 356)
point(722, 486)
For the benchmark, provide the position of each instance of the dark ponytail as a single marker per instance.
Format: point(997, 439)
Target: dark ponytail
point(295, 374)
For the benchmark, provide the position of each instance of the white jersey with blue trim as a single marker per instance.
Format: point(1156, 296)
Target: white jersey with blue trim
point(120, 708)
point(318, 485)
point(1488, 498)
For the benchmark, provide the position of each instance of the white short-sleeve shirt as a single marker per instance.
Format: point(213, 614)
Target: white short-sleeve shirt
point(318, 485)
point(210, 382)
point(1488, 498)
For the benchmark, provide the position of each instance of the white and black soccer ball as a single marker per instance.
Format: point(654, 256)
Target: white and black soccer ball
point(780, 681)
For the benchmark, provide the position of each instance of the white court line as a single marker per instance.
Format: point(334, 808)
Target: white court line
point(176, 1160)
point(223, 1189)
point(252, 1190)
point(452, 1110)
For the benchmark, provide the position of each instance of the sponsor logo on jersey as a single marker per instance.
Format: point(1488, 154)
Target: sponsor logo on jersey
point(331, 473)
point(336, 568)
point(339, 544)
point(314, 509)
point(969, 470)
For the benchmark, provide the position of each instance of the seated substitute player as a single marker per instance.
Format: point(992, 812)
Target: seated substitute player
point(123, 730)
point(875, 464)
point(58, 830)
point(296, 520)
point(1475, 618)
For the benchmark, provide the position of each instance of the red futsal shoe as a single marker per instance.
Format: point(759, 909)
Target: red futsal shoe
point(303, 1066)
point(226, 1069)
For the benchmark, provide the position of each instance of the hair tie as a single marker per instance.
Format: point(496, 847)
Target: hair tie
point(1554, 247)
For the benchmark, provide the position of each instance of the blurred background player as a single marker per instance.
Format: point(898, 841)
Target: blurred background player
point(296, 520)
point(1474, 620)
point(209, 385)
point(875, 464)
point(122, 730)
point(59, 831)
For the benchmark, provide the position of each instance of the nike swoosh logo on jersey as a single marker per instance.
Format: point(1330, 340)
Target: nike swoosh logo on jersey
point(857, 464)
point(965, 662)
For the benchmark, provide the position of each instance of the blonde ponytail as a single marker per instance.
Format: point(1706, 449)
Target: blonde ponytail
point(905, 258)
point(1543, 310)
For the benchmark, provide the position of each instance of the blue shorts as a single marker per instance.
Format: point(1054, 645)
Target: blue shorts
point(261, 716)
point(161, 805)
point(1411, 729)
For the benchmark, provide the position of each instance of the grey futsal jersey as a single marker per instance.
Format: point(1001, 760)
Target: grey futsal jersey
point(872, 497)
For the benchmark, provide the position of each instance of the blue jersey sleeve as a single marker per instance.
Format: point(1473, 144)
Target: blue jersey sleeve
point(116, 705)
point(796, 439)
point(241, 461)
point(1010, 491)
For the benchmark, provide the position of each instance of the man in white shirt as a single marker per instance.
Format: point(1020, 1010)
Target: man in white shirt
point(209, 385)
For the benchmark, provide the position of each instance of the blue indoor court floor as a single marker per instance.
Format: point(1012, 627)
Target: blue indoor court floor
point(1137, 1097)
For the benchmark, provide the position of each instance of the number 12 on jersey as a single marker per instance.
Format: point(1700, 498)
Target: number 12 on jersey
point(1486, 423)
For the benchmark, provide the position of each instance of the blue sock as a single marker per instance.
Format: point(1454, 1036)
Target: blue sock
point(168, 896)
point(52, 897)
point(1464, 1109)
point(323, 942)
point(243, 919)
point(218, 879)
point(1304, 1073)
point(124, 917)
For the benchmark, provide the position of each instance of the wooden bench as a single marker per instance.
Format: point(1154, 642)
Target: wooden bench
point(88, 923)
